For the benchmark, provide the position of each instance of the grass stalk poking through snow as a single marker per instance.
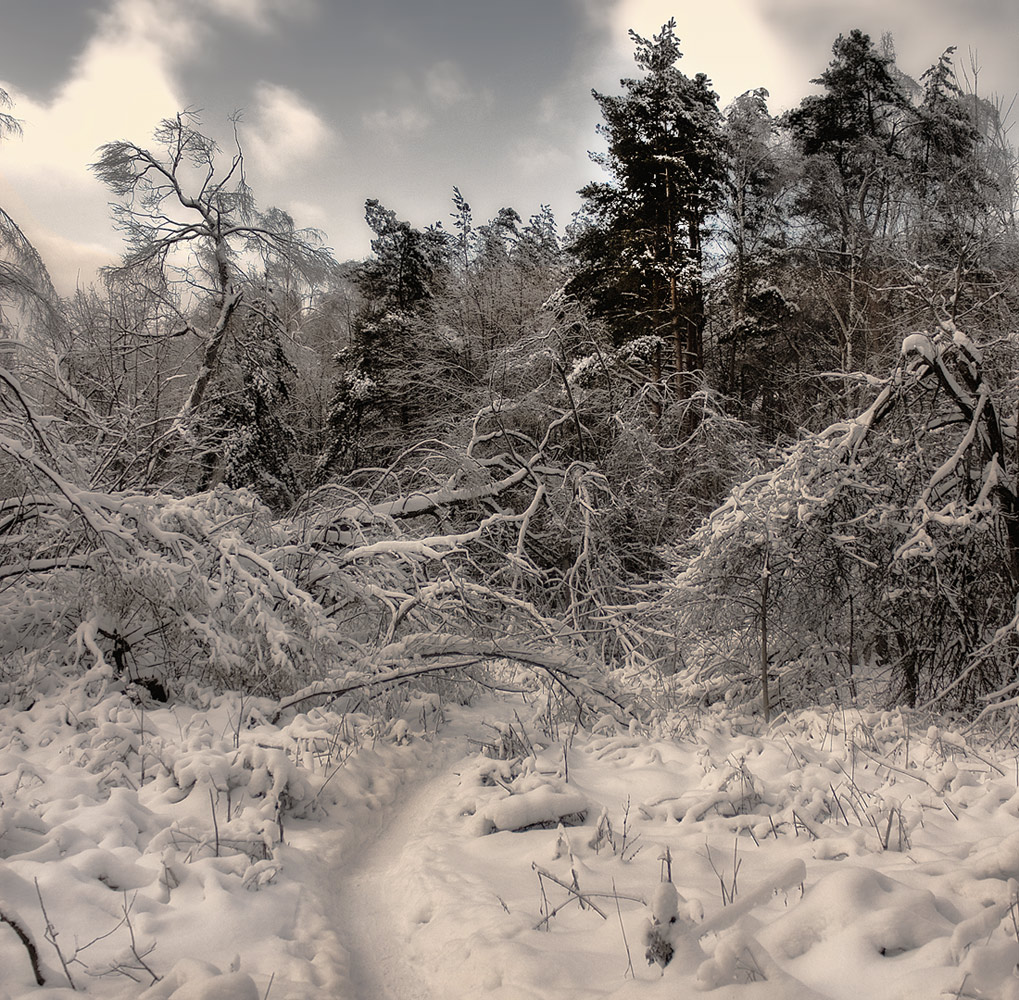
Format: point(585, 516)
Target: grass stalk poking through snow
point(51, 936)
point(583, 898)
point(730, 890)
point(622, 930)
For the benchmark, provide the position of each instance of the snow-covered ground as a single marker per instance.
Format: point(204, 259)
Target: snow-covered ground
point(489, 851)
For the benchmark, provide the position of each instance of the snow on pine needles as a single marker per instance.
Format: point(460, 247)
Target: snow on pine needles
point(199, 853)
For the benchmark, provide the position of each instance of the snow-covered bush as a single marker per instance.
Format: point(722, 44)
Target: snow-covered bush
point(887, 539)
point(436, 560)
point(204, 588)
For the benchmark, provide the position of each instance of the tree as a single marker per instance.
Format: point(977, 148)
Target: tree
point(192, 223)
point(258, 448)
point(956, 228)
point(640, 244)
point(378, 397)
point(853, 138)
point(889, 541)
point(755, 359)
point(501, 274)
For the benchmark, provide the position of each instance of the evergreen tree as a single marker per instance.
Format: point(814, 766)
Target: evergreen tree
point(257, 446)
point(640, 242)
point(378, 398)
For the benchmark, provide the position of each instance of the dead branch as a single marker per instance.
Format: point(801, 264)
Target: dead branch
point(422, 654)
point(33, 954)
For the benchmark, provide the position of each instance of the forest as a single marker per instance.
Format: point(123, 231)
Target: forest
point(741, 437)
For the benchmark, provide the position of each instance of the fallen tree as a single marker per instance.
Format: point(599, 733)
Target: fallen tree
point(354, 590)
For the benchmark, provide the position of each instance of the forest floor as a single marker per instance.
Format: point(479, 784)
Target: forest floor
point(487, 851)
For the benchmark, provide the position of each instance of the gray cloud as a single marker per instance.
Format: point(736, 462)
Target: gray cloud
point(402, 99)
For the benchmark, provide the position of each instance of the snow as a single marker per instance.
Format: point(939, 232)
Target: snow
point(919, 343)
point(836, 854)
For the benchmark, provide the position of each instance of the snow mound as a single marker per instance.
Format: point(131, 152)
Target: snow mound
point(546, 805)
point(193, 980)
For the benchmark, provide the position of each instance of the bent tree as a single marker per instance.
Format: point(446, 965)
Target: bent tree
point(889, 541)
point(192, 226)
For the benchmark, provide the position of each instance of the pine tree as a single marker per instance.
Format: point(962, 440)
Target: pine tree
point(640, 242)
point(377, 399)
point(854, 140)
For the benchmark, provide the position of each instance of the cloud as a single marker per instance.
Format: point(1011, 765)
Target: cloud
point(286, 133)
point(446, 85)
point(124, 81)
point(541, 159)
point(407, 119)
point(921, 33)
point(257, 15)
point(736, 44)
point(783, 44)
point(729, 40)
point(70, 262)
point(119, 87)
point(438, 89)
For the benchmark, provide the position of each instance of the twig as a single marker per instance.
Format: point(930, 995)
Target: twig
point(33, 954)
point(215, 824)
point(622, 929)
point(634, 850)
point(51, 936)
point(545, 906)
point(140, 959)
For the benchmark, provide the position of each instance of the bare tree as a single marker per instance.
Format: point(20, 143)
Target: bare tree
point(189, 218)
point(23, 275)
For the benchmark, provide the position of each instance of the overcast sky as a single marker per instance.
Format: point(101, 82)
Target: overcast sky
point(400, 99)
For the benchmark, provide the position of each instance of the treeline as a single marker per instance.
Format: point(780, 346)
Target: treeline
point(500, 429)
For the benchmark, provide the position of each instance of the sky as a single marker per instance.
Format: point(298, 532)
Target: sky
point(400, 100)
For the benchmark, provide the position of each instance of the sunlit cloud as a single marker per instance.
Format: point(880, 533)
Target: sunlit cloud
point(119, 87)
point(124, 81)
point(284, 133)
point(728, 40)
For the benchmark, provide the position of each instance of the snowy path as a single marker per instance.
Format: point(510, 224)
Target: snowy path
point(368, 906)
point(874, 858)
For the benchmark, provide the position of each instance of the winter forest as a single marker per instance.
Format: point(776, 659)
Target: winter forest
point(624, 606)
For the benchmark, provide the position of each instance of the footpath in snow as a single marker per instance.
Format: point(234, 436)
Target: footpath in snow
point(203, 854)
